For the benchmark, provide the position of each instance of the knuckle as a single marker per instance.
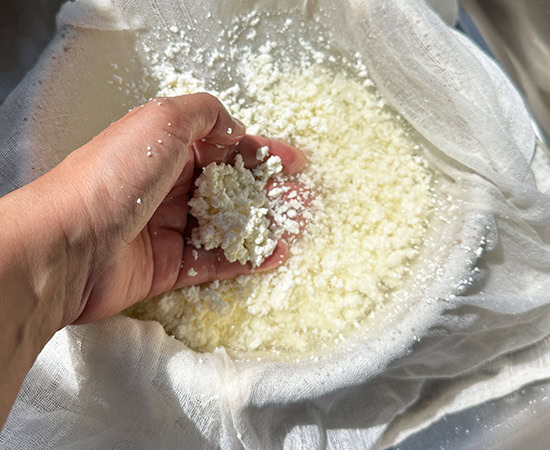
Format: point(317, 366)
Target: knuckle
point(209, 103)
point(169, 106)
point(168, 118)
point(206, 97)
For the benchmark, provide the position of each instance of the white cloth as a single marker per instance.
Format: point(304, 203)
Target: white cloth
point(124, 384)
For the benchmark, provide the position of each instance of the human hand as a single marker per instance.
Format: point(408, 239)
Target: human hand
point(124, 207)
point(105, 228)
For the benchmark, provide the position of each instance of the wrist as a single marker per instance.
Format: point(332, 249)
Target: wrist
point(47, 258)
point(38, 293)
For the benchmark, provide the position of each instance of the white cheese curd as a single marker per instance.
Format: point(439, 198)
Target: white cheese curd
point(372, 203)
point(232, 208)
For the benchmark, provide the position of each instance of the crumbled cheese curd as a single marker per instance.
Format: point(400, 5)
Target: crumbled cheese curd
point(232, 208)
point(366, 222)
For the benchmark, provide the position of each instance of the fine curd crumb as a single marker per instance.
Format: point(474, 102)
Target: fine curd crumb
point(262, 153)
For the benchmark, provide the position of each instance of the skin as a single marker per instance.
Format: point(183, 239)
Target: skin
point(105, 228)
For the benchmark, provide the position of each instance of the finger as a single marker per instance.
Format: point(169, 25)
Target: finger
point(292, 159)
point(206, 154)
point(173, 212)
point(136, 110)
point(192, 223)
point(204, 117)
point(165, 231)
point(201, 266)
